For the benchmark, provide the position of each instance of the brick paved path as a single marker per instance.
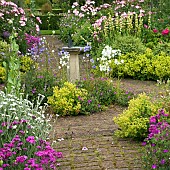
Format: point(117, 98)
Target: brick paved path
point(89, 143)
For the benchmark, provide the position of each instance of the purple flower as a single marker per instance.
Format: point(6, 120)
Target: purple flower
point(26, 168)
point(33, 90)
point(31, 139)
point(89, 101)
point(154, 166)
point(40, 77)
point(1, 131)
point(21, 159)
point(5, 165)
point(79, 98)
point(22, 132)
point(153, 144)
point(143, 143)
point(6, 34)
point(162, 161)
point(153, 119)
point(31, 161)
point(87, 48)
point(165, 150)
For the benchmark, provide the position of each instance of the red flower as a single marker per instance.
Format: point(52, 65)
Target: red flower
point(155, 30)
point(165, 32)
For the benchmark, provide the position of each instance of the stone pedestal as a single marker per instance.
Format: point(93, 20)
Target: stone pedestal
point(73, 72)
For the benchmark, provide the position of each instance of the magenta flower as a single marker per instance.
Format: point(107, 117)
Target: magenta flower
point(1, 131)
point(165, 32)
point(21, 159)
point(165, 151)
point(162, 161)
point(89, 101)
point(154, 166)
point(153, 119)
point(31, 139)
point(27, 168)
point(143, 143)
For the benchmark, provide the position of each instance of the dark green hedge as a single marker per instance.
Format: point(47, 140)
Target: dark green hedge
point(50, 22)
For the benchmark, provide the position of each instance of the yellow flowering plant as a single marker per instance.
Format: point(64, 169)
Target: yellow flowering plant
point(67, 99)
point(134, 121)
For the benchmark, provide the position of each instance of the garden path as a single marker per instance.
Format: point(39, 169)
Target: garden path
point(87, 142)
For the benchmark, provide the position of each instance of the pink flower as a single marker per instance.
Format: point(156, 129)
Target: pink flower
point(155, 30)
point(22, 23)
point(146, 26)
point(165, 32)
point(37, 28)
point(31, 139)
point(76, 12)
point(75, 4)
point(39, 20)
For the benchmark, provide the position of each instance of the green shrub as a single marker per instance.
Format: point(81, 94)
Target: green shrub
point(35, 83)
point(41, 2)
point(49, 22)
point(162, 47)
point(82, 34)
point(67, 99)
point(46, 8)
point(100, 88)
point(161, 65)
point(145, 66)
point(128, 44)
point(134, 121)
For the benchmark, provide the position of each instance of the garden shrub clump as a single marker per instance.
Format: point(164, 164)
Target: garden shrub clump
point(134, 121)
point(128, 44)
point(86, 96)
point(67, 99)
point(146, 66)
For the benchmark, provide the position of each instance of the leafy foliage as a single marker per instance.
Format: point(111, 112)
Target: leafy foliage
point(67, 99)
point(134, 121)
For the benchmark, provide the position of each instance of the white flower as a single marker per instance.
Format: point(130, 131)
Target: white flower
point(84, 149)
point(117, 62)
point(52, 51)
point(102, 67)
point(122, 61)
point(107, 51)
point(60, 139)
point(14, 127)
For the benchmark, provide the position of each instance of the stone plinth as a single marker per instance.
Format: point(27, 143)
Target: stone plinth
point(74, 68)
